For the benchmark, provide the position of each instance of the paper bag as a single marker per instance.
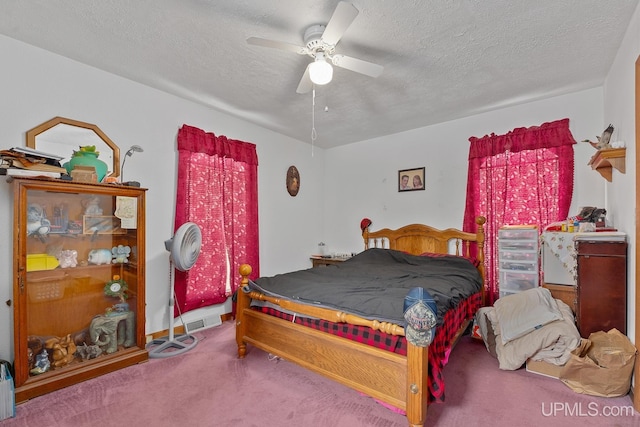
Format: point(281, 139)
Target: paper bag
point(601, 366)
point(7, 396)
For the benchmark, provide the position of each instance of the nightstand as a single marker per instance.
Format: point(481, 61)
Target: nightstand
point(318, 261)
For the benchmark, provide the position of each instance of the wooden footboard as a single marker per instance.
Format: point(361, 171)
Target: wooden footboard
point(392, 378)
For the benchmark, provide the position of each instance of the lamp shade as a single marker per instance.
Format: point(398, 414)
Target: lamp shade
point(320, 71)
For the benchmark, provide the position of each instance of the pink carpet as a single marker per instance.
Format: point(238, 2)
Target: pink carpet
point(209, 386)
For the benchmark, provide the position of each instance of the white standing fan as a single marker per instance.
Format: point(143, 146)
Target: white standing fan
point(184, 248)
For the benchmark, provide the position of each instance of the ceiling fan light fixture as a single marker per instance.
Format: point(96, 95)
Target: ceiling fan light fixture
point(320, 71)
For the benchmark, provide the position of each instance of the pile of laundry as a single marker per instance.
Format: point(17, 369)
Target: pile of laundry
point(529, 324)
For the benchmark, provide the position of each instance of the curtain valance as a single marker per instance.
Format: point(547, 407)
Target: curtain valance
point(547, 135)
point(196, 140)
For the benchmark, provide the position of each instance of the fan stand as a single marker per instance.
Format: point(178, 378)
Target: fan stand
point(171, 345)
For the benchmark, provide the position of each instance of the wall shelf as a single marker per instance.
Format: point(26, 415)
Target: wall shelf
point(607, 159)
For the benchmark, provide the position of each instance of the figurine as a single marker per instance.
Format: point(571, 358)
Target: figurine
point(42, 363)
point(92, 206)
point(68, 258)
point(87, 352)
point(62, 350)
point(99, 256)
point(604, 140)
point(37, 224)
point(120, 254)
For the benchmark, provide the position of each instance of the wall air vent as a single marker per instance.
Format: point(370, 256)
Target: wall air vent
point(204, 323)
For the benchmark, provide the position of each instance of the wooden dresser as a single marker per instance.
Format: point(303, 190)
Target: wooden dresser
point(601, 286)
point(599, 297)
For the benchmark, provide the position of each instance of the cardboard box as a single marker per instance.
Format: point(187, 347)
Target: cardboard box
point(84, 174)
point(541, 367)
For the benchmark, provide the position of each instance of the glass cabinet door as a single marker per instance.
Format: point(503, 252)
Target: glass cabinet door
point(80, 280)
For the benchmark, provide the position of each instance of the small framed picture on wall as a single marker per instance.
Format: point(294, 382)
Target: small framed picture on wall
point(411, 179)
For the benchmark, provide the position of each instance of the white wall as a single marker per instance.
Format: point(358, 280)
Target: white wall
point(361, 178)
point(619, 110)
point(37, 85)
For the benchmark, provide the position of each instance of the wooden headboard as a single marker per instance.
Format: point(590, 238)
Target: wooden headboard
point(417, 239)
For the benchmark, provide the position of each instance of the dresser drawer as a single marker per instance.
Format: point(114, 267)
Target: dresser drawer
point(588, 247)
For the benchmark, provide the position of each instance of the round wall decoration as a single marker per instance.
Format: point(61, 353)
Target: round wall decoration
point(293, 181)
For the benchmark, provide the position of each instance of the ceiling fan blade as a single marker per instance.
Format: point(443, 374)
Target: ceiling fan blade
point(301, 50)
point(305, 84)
point(358, 65)
point(342, 17)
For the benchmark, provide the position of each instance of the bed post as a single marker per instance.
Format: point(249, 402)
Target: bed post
point(242, 303)
point(480, 221)
point(417, 384)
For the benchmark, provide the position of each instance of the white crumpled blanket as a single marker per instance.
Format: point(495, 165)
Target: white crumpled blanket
point(551, 343)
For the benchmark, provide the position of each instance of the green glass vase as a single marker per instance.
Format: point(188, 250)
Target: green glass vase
point(87, 158)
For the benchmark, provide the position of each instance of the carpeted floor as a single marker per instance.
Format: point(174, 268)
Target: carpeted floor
point(209, 386)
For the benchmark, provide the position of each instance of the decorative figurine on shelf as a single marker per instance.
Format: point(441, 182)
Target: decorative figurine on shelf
point(68, 258)
point(604, 140)
point(42, 363)
point(120, 254)
point(92, 206)
point(62, 350)
point(117, 288)
point(37, 223)
point(99, 256)
point(110, 331)
point(86, 352)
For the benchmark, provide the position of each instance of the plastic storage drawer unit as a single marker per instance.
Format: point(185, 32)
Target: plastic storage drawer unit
point(518, 253)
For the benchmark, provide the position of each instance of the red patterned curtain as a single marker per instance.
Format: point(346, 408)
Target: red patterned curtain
point(217, 190)
point(523, 177)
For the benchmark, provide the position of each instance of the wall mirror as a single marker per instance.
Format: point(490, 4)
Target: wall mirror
point(62, 136)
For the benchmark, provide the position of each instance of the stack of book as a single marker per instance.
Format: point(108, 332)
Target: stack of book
point(22, 161)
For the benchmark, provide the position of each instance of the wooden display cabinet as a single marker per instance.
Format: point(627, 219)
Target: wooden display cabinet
point(70, 241)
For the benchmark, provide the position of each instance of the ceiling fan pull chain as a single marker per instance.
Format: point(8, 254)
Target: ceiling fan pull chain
point(314, 134)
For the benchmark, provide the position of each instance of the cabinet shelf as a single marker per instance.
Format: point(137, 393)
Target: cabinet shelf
point(605, 160)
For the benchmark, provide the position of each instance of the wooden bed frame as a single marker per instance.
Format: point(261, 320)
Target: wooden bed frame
point(398, 380)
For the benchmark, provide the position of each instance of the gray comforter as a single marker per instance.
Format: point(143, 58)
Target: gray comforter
point(374, 283)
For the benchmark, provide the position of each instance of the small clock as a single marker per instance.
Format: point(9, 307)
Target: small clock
point(116, 288)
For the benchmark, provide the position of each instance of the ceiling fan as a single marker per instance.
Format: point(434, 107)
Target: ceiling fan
point(320, 43)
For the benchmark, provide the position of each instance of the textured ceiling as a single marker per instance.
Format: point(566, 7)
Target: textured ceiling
point(442, 60)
